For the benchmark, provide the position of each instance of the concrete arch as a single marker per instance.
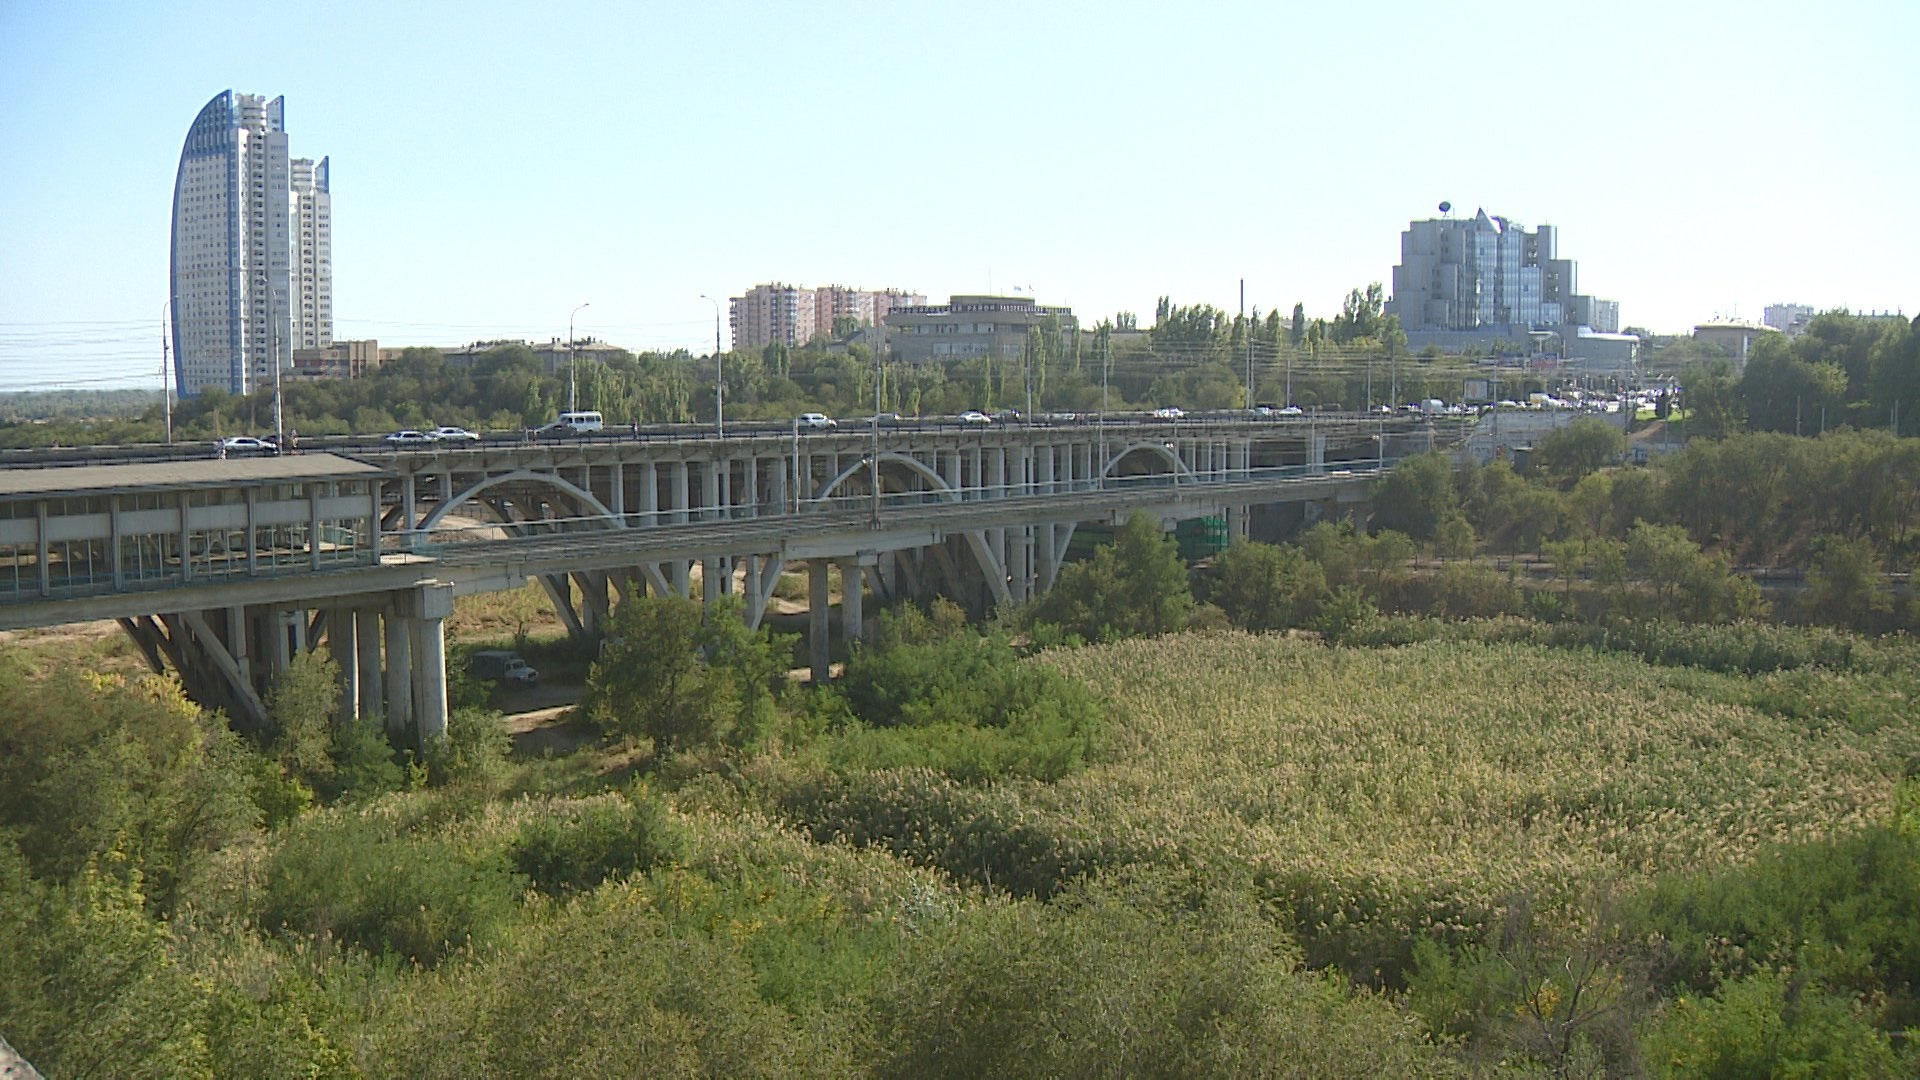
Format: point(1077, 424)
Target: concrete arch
point(585, 497)
point(990, 565)
point(1177, 467)
point(913, 465)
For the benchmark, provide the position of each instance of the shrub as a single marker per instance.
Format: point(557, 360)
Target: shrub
point(1766, 1024)
point(574, 847)
point(1145, 975)
point(361, 881)
point(986, 835)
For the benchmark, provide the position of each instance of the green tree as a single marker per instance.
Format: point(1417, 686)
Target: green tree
point(1134, 587)
point(1569, 454)
point(1416, 496)
point(1360, 316)
point(1264, 587)
point(682, 677)
point(1845, 586)
point(123, 775)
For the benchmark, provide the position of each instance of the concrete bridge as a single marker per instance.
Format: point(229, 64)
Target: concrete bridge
point(224, 570)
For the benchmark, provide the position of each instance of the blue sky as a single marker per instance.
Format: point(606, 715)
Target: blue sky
point(496, 164)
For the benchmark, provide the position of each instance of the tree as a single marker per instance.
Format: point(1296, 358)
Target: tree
point(1360, 316)
point(1569, 454)
point(680, 679)
point(1134, 587)
point(1845, 586)
point(1415, 496)
point(1264, 587)
point(1297, 333)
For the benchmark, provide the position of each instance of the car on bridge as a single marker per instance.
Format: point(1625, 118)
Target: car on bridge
point(244, 446)
point(447, 433)
point(813, 421)
point(410, 437)
point(1169, 412)
point(974, 416)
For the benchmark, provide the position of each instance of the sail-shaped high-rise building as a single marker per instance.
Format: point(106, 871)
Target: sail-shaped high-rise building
point(251, 275)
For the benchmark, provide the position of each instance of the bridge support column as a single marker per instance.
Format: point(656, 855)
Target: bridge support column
point(343, 647)
point(399, 632)
point(366, 634)
point(710, 579)
point(817, 620)
point(649, 494)
point(852, 589)
point(677, 495)
point(710, 491)
point(433, 603)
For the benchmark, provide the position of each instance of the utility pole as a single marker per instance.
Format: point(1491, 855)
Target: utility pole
point(279, 412)
point(573, 381)
point(166, 375)
point(873, 473)
point(719, 375)
point(1246, 329)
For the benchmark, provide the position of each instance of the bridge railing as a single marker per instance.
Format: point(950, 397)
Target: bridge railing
point(854, 505)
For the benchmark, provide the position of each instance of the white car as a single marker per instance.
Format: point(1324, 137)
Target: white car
point(814, 421)
point(244, 446)
point(409, 437)
point(452, 434)
point(1291, 410)
point(1169, 412)
point(974, 416)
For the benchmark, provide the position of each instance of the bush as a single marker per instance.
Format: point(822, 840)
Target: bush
point(1846, 912)
point(1145, 975)
point(1767, 1024)
point(476, 749)
point(360, 881)
point(987, 836)
point(574, 847)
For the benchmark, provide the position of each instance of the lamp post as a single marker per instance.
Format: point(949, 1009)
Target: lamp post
point(166, 373)
point(573, 382)
point(719, 376)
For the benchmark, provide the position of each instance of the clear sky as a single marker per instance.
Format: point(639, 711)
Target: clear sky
point(496, 164)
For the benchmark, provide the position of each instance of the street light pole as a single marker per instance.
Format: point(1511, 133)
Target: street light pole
point(166, 375)
point(719, 375)
point(573, 381)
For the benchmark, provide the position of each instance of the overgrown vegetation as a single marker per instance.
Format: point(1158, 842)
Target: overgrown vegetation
point(1369, 804)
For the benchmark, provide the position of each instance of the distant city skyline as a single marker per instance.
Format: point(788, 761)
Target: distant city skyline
point(508, 164)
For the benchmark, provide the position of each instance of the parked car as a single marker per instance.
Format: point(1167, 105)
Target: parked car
point(974, 416)
point(244, 446)
point(813, 421)
point(453, 434)
point(409, 437)
point(503, 665)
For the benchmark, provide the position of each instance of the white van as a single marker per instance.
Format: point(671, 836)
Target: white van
point(574, 423)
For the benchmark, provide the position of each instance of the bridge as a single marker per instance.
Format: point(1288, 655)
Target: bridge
point(224, 570)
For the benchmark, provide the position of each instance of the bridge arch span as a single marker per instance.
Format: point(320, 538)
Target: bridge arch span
point(990, 564)
point(934, 480)
point(1157, 449)
point(580, 495)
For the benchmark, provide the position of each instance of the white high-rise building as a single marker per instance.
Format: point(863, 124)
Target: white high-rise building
point(311, 216)
point(236, 293)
